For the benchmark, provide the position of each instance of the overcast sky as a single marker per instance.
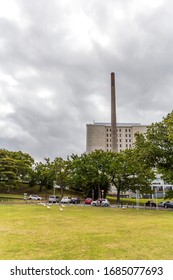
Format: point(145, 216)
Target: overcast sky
point(55, 63)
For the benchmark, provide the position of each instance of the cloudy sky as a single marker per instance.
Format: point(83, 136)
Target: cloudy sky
point(55, 63)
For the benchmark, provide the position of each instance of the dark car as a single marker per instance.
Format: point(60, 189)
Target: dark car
point(88, 200)
point(150, 204)
point(168, 204)
point(75, 200)
point(162, 203)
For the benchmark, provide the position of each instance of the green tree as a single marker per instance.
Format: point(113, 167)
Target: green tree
point(8, 170)
point(88, 174)
point(24, 165)
point(169, 194)
point(43, 174)
point(14, 168)
point(156, 147)
point(127, 172)
point(60, 171)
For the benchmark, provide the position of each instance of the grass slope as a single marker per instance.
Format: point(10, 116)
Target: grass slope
point(85, 233)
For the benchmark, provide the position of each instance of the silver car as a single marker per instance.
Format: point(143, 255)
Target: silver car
point(101, 202)
point(65, 199)
point(35, 197)
point(54, 199)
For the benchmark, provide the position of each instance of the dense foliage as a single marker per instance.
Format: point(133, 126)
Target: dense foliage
point(14, 167)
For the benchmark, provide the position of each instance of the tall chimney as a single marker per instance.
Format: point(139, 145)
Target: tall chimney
point(114, 146)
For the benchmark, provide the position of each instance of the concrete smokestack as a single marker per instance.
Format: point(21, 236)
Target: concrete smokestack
point(114, 145)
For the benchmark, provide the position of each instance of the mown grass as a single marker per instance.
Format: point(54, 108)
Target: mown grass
point(86, 233)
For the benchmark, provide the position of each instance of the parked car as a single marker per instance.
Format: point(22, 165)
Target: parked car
point(54, 199)
point(35, 197)
point(65, 199)
point(168, 204)
point(88, 200)
point(101, 202)
point(75, 200)
point(150, 204)
point(162, 203)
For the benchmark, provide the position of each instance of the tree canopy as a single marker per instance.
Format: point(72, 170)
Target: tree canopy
point(93, 174)
point(14, 167)
point(156, 147)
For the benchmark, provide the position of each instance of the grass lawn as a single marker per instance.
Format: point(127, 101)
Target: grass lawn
point(34, 232)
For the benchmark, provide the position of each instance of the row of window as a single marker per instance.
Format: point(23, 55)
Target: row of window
point(127, 135)
point(119, 129)
point(120, 146)
point(119, 140)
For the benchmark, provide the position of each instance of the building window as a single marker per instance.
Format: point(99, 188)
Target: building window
point(129, 135)
point(126, 145)
point(120, 130)
point(126, 130)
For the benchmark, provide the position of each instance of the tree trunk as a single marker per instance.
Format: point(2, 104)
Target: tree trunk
point(62, 192)
point(40, 189)
point(118, 196)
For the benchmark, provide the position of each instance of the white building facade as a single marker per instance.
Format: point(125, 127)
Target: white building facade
point(98, 135)
point(160, 186)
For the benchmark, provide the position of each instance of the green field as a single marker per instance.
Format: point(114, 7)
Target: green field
point(35, 232)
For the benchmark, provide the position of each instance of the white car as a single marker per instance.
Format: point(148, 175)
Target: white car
point(35, 197)
point(101, 202)
point(65, 199)
point(54, 199)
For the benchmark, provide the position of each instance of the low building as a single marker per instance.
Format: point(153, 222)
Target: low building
point(160, 187)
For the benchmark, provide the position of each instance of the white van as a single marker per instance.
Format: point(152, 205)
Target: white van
point(54, 199)
point(65, 199)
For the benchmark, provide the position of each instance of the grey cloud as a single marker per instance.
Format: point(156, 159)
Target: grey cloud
point(53, 84)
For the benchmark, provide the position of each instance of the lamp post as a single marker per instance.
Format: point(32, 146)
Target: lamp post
point(137, 199)
point(156, 198)
point(99, 191)
point(92, 194)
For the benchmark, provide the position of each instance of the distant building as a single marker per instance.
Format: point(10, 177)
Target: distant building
point(160, 186)
point(98, 135)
